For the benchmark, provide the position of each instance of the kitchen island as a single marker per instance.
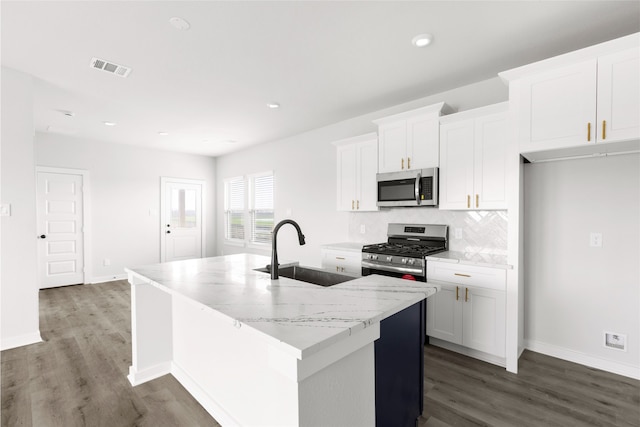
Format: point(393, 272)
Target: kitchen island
point(254, 351)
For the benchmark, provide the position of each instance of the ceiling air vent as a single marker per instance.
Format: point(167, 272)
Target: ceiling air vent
point(110, 67)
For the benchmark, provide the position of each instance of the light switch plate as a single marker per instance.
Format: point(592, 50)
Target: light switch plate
point(595, 240)
point(5, 209)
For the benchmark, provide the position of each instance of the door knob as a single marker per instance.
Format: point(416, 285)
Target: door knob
point(168, 225)
point(43, 236)
point(168, 231)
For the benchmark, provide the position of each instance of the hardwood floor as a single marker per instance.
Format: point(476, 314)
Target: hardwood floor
point(77, 377)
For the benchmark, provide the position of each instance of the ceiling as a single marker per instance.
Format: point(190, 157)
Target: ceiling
point(322, 61)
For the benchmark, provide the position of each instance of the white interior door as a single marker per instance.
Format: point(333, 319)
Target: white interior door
point(182, 226)
point(60, 224)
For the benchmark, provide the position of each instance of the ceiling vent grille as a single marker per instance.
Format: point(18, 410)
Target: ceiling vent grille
point(110, 67)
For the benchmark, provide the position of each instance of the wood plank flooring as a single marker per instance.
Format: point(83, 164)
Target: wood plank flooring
point(77, 377)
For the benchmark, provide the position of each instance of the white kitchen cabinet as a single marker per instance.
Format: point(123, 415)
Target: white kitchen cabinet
point(357, 168)
point(409, 140)
point(342, 260)
point(581, 104)
point(473, 155)
point(470, 309)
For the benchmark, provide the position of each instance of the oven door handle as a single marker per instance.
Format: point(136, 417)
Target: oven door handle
point(407, 270)
point(417, 188)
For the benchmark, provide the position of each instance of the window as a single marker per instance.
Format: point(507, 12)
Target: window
point(249, 215)
point(234, 197)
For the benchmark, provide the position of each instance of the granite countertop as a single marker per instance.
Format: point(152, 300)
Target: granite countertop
point(470, 258)
point(298, 317)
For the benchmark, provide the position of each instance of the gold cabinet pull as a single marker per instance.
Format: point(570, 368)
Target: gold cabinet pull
point(357, 204)
point(477, 201)
point(339, 257)
point(589, 131)
point(466, 294)
point(460, 274)
point(352, 202)
point(457, 296)
point(604, 130)
point(402, 163)
point(408, 162)
point(468, 201)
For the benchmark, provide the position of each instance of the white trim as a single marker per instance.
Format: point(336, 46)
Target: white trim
point(148, 374)
point(104, 279)
point(569, 355)
point(480, 355)
point(202, 183)
point(202, 397)
point(20, 340)
point(86, 217)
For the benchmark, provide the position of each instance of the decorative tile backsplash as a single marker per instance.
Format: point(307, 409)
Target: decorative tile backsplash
point(482, 231)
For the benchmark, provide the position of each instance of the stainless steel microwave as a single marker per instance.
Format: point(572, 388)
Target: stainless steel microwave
point(417, 187)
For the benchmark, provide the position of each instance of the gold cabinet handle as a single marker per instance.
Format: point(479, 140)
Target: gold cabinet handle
point(477, 201)
point(604, 131)
point(468, 201)
point(457, 296)
point(408, 162)
point(589, 131)
point(460, 274)
point(352, 202)
point(339, 257)
point(357, 204)
point(466, 294)
point(402, 163)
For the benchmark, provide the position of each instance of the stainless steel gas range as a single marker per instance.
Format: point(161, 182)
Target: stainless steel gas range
point(403, 255)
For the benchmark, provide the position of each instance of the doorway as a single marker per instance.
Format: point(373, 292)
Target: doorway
point(182, 231)
point(62, 211)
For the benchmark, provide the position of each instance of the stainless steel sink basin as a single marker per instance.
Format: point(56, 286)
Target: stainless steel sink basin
point(316, 276)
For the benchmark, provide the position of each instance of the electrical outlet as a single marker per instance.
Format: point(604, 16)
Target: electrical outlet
point(362, 229)
point(5, 209)
point(106, 262)
point(615, 341)
point(457, 233)
point(595, 240)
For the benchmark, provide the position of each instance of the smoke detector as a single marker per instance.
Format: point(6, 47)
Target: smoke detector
point(109, 67)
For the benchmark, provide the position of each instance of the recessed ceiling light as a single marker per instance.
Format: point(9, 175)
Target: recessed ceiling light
point(109, 123)
point(179, 23)
point(273, 105)
point(163, 133)
point(422, 40)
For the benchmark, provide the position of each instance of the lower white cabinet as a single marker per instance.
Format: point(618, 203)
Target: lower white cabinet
point(342, 261)
point(470, 309)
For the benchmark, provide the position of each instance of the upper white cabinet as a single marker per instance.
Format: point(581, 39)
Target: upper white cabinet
point(409, 140)
point(579, 103)
point(473, 154)
point(357, 168)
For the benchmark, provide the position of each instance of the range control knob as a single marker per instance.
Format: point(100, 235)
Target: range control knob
point(403, 260)
point(389, 258)
point(412, 261)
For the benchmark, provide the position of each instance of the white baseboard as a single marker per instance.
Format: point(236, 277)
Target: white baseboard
point(624, 369)
point(140, 377)
point(102, 279)
point(203, 398)
point(485, 357)
point(20, 340)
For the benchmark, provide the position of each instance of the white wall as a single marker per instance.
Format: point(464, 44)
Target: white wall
point(574, 292)
point(125, 185)
point(305, 175)
point(19, 321)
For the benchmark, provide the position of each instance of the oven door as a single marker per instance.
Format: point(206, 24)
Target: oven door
point(400, 272)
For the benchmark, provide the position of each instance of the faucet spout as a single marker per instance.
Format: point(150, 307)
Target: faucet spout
point(274, 245)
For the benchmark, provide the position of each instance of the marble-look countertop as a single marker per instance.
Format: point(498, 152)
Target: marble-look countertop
point(298, 317)
point(345, 246)
point(470, 258)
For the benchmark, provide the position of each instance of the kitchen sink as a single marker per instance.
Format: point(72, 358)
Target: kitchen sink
point(316, 276)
